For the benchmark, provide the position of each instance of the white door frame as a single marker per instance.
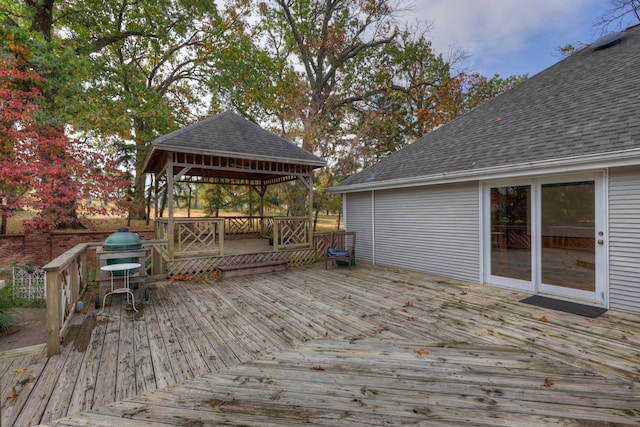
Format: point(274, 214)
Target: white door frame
point(601, 295)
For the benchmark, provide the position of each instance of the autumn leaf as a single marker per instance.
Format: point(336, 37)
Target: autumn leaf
point(164, 298)
point(463, 292)
point(544, 319)
point(421, 351)
point(408, 304)
point(547, 382)
point(12, 393)
point(20, 371)
point(317, 368)
point(411, 318)
point(183, 278)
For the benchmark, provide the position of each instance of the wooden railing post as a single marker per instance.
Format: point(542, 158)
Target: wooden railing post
point(276, 234)
point(221, 236)
point(54, 321)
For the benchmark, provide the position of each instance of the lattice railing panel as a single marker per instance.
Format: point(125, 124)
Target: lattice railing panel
point(301, 257)
point(196, 235)
point(206, 265)
point(290, 231)
point(321, 243)
point(234, 225)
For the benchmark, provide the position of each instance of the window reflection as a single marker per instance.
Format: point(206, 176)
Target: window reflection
point(511, 232)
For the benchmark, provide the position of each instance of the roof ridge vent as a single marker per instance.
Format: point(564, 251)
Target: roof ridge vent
point(607, 40)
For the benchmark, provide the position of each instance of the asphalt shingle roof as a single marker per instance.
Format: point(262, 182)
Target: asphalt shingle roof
point(585, 104)
point(229, 135)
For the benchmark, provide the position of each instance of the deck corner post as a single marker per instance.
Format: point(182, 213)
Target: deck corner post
point(54, 322)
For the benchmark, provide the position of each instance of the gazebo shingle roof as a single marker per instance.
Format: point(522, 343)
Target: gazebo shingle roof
point(586, 104)
point(229, 135)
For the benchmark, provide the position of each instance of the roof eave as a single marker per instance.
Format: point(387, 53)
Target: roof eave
point(319, 163)
point(562, 165)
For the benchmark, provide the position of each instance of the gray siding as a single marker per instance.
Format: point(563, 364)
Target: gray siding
point(624, 240)
point(430, 229)
point(358, 218)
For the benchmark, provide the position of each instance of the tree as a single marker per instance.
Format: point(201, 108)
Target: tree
point(141, 66)
point(156, 75)
point(41, 168)
point(620, 12)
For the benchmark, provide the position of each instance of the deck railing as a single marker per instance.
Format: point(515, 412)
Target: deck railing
point(291, 233)
point(66, 280)
point(192, 237)
point(247, 226)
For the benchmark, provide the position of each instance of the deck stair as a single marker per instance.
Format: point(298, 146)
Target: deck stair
point(237, 270)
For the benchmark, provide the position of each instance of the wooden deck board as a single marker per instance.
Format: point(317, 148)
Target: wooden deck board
point(334, 347)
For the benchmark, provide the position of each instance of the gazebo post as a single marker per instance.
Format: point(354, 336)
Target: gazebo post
point(307, 181)
point(155, 197)
point(261, 193)
point(310, 210)
point(171, 225)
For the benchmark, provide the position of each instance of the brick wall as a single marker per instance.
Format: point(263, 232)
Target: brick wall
point(41, 246)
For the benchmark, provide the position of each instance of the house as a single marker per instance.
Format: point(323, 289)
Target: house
point(536, 190)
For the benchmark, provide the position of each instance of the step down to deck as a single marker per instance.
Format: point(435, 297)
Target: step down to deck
point(255, 268)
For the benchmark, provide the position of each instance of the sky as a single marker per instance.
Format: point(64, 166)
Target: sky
point(510, 37)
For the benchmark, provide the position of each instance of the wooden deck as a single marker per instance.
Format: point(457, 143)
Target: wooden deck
point(366, 346)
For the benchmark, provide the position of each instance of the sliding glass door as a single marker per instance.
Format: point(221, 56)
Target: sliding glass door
point(547, 236)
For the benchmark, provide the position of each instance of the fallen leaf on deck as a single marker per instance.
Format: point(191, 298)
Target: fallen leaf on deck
point(421, 351)
point(408, 304)
point(547, 382)
point(12, 393)
point(463, 292)
point(183, 278)
point(20, 371)
point(544, 319)
point(411, 318)
point(164, 298)
point(317, 368)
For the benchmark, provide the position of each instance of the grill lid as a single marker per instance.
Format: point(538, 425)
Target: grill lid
point(122, 240)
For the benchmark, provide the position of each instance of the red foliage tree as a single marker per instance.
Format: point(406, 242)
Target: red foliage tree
point(41, 168)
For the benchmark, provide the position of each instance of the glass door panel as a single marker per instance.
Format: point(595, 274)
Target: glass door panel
point(568, 221)
point(511, 232)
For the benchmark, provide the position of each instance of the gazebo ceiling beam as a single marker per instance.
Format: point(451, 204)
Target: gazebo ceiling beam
point(178, 176)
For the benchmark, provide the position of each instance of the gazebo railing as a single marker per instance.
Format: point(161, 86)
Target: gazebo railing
point(291, 233)
point(247, 226)
point(201, 237)
point(192, 237)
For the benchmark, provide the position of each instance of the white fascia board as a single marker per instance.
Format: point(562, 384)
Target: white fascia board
point(563, 165)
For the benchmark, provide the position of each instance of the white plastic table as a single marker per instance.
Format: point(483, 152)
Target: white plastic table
point(126, 289)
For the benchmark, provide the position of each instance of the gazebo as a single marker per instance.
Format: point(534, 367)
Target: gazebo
point(228, 150)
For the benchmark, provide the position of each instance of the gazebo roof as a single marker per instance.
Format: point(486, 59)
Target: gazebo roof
point(227, 136)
